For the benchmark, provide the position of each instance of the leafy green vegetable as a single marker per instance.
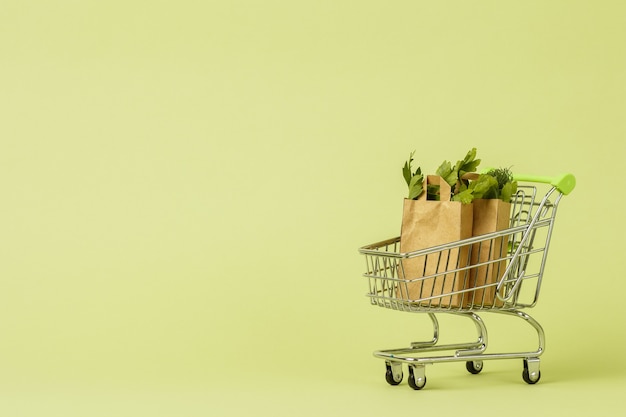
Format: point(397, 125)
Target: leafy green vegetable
point(495, 184)
point(507, 186)
point(433, 192)
point(406, 170)
point(416, 186)
point(468, 164)
point(449, 174)
point(465, 197)
point(415, 180)
point(508, 190)
point(453, 175)
point(503, 175)
point(485, 186)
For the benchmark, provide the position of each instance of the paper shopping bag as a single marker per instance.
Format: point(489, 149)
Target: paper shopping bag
point(428, 223)
point(488, 216)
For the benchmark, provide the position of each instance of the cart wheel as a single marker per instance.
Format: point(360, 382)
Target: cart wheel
point(474, 367)
point(419, 382)
point(391, 378)
point(531, 376)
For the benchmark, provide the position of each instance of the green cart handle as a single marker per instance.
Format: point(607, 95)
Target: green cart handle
point(565, 183)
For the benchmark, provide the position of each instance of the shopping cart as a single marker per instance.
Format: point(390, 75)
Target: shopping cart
point(516, 270)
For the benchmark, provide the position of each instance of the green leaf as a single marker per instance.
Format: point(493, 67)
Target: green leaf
point(509, 189)
point(406, 170)
point(468, 164)
point(406, 173)
point(416, 186)
point(465, 197)
point(449, 174)
point(503, 175)
point(485, 186)
point(414, 180)
point(433, 192)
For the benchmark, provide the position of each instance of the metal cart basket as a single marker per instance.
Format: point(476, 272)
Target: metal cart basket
point(517, 270)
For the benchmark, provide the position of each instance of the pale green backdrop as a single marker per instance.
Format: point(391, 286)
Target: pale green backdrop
point(185, 186)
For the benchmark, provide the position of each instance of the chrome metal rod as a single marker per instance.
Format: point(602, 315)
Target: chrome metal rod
point(435, 338)
point(481, 343)
point(468, 351)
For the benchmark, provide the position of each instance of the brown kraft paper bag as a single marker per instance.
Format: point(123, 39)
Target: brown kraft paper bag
point(428, 223)
point(488, 216)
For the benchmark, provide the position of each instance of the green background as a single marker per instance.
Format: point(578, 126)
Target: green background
point(185, 186)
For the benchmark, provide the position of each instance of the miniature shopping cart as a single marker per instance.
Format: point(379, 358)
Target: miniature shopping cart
point(516, 273)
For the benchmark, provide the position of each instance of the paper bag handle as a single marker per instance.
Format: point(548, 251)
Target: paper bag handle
point(444, 188)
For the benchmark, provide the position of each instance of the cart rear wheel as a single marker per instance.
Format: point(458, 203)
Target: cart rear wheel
point(391, 378)
point(418, 382)
point(474, 367)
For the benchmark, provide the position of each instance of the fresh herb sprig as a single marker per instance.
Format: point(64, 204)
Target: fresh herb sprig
point(415, 180)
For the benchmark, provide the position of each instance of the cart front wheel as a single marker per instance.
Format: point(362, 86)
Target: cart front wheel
point(474, 367)
point(393, 378)
point(531, 374)
point(417, 378)
point(531, 379)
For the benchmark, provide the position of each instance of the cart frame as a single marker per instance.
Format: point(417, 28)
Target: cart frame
point(517, 285)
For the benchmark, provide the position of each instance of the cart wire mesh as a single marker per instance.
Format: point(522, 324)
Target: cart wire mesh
point(496, 271)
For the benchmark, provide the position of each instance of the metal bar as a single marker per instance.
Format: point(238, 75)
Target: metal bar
point(518, 251)
point(435, 338)
point(466, 351)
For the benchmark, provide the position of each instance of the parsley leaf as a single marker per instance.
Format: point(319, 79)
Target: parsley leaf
point(415, 180)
